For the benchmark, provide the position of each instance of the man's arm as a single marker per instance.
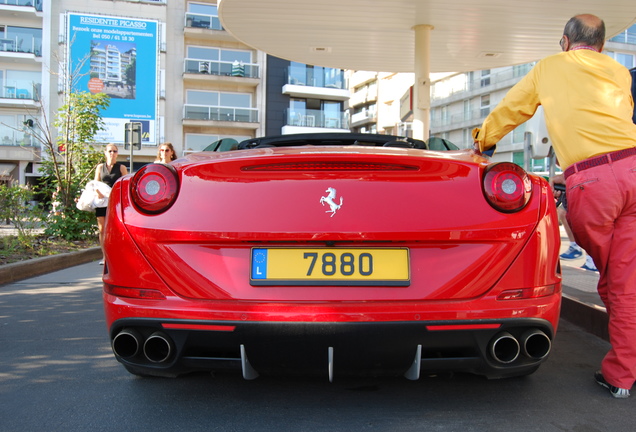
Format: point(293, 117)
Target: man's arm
point(518, 106)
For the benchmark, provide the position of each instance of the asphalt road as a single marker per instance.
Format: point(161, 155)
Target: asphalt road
point(58, 373)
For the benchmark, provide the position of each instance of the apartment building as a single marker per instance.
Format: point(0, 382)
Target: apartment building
point(374, 105)
point(168, 65)
point(304, 98)
point(461, 102)
point(21, 71)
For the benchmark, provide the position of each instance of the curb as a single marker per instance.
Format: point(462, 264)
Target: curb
point(591, 318)
point(38, 266)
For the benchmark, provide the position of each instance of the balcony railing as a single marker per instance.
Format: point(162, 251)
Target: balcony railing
point(21, 44)
point(12, 137)
point(37, 4)
point(221, 68)
point(217, 113)
point(472, 117)
point(364, 116)
point(317, 118)
point(314, 76)
point(16, 89)
point(196, 20)
point(462, 83)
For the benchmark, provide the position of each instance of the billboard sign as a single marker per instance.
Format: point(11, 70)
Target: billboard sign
point(117, 56)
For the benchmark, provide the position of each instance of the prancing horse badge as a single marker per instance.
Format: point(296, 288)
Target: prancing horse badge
point(331, 200)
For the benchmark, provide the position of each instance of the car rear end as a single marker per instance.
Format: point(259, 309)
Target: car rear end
point(333, 259)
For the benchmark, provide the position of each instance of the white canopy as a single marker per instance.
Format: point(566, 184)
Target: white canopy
point(420, 36)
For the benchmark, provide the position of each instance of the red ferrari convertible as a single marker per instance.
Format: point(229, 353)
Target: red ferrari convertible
point(336, 253)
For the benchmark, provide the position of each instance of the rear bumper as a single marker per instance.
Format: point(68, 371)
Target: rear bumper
point(494, 348)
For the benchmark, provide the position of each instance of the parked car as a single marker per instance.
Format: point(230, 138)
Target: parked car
point(332, 253)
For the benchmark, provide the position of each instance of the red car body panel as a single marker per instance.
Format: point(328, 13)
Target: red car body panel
point(465, 256)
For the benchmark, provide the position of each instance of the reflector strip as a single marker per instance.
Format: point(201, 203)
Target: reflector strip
point(330, 166)
point(463, 327)
point(198, 327)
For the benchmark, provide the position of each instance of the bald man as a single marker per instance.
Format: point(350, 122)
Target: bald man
point(588, 107)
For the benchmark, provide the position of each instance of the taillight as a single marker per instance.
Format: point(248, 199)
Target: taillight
point(507, 187)
point(154, 188)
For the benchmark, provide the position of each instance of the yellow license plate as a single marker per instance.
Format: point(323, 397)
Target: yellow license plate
point(330, 266)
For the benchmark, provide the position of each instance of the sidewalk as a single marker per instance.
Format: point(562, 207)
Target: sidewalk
point(581, 303)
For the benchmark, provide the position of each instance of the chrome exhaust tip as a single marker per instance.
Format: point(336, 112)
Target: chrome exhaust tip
point(535, 344)
point(158, 347)
point(126, 343)
point(504, 348)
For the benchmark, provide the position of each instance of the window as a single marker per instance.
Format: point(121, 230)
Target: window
point(18, 84)
point(626, 60)
point(628, 36)
point(315, 76)
point(485, 78)
point(444, 115)
point(518, 133)
point(219, 106)
point(21, 39)
point(485, 105)
point(466, 110)
point(467, 138)
point(217, 61)
point(315, 113)
point(203, 16)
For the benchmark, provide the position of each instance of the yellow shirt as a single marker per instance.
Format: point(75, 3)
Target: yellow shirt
point(587, 102)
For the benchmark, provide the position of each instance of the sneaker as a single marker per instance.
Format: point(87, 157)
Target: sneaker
point(101, 262)
point(617, 392)
point(572, 253)
point(589, 265)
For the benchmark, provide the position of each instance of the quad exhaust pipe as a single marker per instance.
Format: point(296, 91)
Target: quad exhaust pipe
point(504, 348)
point(158, 347)
point(129, 343)
point(533, 343)
point(126, 343)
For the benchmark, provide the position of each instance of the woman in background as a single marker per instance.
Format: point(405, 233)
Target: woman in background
point(166, 153)
point(108, 172)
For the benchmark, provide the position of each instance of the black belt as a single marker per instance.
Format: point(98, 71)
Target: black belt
point(599, 160)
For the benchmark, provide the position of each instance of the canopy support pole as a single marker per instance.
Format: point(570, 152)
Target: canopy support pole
point(422, 86)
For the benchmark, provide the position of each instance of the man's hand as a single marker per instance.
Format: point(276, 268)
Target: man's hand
point(557, 183)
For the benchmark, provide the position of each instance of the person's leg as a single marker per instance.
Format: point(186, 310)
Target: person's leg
point(602, 213)
point(101, 220)
point(574, 251)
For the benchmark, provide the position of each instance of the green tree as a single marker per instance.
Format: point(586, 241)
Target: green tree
point(17, 206)
point(69, 161)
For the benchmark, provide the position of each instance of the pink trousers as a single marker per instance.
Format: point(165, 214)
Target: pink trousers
point(602, 215)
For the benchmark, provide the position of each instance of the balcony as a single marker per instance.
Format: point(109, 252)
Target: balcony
point(20, 48)
point(462, 86)
point(209, 22)
point(206, 27)
point(15, 93)
point(221, 68)
point(461, 120)
point(366, 95)
point(198, 113)
point(363, 117)
point(22, 8)
point(315, 82)
point(317, 119)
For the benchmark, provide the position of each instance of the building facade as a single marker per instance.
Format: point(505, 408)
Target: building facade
point(171, 66)
point(461, 102)
point(168, 65)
